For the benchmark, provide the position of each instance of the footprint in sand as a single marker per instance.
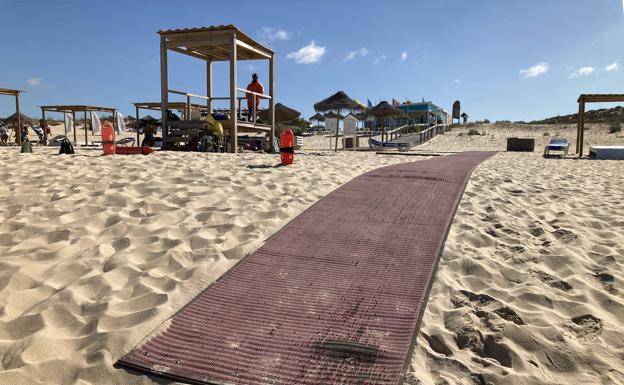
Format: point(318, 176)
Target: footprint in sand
point(586, 327)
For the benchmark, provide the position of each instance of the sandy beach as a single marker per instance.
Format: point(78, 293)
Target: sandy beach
point(97, 252)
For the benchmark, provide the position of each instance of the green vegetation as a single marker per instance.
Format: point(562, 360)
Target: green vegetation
point(473, 131)
point(615, 127)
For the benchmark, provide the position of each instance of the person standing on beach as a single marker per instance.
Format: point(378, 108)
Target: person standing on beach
point(254, 86)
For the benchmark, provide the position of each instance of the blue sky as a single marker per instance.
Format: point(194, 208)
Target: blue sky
point(518, 60)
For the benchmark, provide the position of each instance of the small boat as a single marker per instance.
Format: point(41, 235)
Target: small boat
point(123, 150)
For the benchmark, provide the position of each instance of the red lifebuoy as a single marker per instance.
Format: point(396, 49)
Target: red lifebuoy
point(108, 139)
point(287, 147)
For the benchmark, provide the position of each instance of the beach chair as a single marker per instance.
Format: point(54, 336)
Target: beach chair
point(125, 142)
point(376, 145)
point(557, 144)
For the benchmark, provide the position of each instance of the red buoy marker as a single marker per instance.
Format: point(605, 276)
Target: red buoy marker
point(287, 147)
point(108, 139)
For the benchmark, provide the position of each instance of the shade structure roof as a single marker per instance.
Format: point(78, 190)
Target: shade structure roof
point(214, 43)
point(8, 91)
point(601, 98)
point(333, 115)
point(385, 110)
point(77, 108)
point(338, 100)
point(317, 116)
point(282, 113)
point(171, 105)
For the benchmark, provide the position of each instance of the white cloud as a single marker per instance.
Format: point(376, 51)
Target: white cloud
point(308, 54)
point(380, 58)
point(274, 34)
point(535, 71)
point(584, 71)
point(403, 56)
point(35, 82)
point(38, 82)
point(457, 81)
point(353, 54)
point(612, 67)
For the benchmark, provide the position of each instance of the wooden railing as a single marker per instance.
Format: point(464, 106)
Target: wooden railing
point(421, 137)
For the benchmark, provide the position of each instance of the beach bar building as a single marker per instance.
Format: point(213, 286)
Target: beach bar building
point(224, 43)
point(421, 113)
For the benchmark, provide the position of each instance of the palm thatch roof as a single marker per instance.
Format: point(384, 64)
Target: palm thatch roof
point(333, 115)
point(385, 110)
point(337, 101)
point(318, 116)
point(282, 114)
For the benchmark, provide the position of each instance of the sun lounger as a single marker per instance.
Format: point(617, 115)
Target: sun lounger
point(124, 142)
point(376, 145)
point(557, 144)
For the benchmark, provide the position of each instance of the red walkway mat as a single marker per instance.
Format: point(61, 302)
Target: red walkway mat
point(334, 297)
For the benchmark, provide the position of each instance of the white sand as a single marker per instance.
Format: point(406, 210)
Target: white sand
point(96, 252)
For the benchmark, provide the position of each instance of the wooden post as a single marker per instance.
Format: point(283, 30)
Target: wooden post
point(164, 92)
point(581, 136)
point(137, 124)
point(337, 129)
point(233, 119)
point(18, 117)
point(74, 128)
point(85, 128)
point(209, 85)
point(272, 102)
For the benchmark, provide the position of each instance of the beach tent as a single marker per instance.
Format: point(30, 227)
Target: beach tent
point(12, 120)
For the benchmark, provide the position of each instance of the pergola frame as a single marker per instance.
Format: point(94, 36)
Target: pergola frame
point(18, 116)
point(211, 44)
point(72, 109)
point(591, 98)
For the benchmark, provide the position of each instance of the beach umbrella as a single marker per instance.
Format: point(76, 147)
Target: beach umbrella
point(318, 117)
point(338, 101)
point(385, 110)
point(282, 114)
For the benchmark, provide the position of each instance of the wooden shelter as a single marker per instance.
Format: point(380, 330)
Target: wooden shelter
point(72, 109)
point(213, 44)
point(16, 94)
point(591, 98)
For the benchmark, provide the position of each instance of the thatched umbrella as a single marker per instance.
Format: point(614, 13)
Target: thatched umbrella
point(385, 110)
point(337, 101)
point(318, 117)
point(282, 114)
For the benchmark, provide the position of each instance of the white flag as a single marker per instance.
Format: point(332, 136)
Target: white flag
point(96, 124)
point(69, 123)
point(121, 126)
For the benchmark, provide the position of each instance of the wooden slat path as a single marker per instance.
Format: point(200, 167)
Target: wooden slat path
point(334, 297)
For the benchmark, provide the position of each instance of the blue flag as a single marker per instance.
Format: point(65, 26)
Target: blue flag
point(369, 105)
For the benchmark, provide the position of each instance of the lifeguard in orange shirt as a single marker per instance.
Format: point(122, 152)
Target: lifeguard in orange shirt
point(254, 86)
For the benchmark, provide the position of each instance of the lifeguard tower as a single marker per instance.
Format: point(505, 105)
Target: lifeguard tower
point(214, 44)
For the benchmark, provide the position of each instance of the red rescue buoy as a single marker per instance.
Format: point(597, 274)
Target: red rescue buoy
point(287, 147)
point(108, 139)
